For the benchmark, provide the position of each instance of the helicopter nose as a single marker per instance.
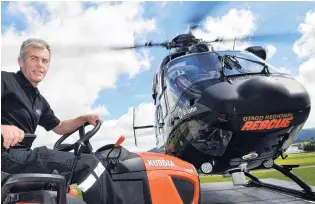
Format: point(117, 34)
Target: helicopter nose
point(263, 95)
point(258, 95)
point(262, 87)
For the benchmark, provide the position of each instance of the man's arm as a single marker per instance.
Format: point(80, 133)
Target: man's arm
point(67, 126)
point(49, 121)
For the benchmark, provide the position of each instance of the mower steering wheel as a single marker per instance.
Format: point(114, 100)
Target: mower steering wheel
point(84, 138)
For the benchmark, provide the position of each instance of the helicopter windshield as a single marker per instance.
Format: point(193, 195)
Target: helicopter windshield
point(190, 69)
point(203, 66)
point(184, 72)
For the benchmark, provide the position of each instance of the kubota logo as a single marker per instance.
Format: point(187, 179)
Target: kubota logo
point(161, 163)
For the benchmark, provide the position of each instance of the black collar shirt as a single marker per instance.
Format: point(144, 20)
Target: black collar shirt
point(23, 106)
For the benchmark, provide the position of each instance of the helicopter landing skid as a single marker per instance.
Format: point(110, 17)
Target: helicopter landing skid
point(307, 192)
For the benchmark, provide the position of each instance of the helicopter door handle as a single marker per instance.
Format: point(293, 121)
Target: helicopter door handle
point(161, 125)
point(174, 119)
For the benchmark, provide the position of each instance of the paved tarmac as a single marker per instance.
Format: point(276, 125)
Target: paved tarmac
point(225, 192)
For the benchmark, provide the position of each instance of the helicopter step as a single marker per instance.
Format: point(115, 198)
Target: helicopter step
point(226, 192)
point(237, 174)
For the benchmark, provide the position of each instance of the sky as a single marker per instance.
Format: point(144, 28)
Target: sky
point(85, 78)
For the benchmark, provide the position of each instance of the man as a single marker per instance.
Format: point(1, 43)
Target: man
point(24, 108)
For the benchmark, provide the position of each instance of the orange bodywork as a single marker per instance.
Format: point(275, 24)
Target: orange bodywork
point(160, 168)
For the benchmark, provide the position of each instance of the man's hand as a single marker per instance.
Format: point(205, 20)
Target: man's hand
point(11, 135)
point(91, 118)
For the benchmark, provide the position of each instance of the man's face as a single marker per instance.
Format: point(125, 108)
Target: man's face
point(35, 64)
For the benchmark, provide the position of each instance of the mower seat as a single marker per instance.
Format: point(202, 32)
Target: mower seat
point(20, 187)
point(33, 188)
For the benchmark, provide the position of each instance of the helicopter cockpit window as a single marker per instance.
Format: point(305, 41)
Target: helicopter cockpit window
point(188, 70)
point(181, 73)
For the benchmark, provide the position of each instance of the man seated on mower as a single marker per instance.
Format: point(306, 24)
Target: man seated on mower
point(24, 108)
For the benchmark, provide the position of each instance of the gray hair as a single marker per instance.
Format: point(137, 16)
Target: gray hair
point(33, 42)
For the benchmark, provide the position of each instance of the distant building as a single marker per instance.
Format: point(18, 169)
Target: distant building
point(295, 149)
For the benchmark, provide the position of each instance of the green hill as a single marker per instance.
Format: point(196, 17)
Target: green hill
point(306, 135)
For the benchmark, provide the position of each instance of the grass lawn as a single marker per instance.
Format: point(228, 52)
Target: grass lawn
point(303, 159)
point(306, 173)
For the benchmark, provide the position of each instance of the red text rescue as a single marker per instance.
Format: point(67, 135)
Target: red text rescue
point(267, 124)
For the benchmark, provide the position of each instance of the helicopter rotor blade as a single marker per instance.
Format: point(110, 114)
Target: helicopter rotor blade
point(90, 49)
point(278, 37)
point(147, 44)
point(199, 11)
point(79, 50)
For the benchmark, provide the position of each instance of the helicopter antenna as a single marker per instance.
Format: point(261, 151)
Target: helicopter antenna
point(234, 43)
point(169, 54)
point(169, 50)
point(133, 125)
point(139, 127)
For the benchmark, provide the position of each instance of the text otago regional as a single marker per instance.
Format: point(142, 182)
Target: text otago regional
point(267, 122)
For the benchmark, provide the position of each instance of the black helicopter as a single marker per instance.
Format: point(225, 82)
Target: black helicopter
point(220, 109)
point(226, 111)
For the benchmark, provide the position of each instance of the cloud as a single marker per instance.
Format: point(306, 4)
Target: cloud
point(307, 71)
point(307, 77)
point(101, 110)
point(68, 28)
point(284, 70)
point(236, 23)
point(305, 46)
point(271, 51)
point(80, 67)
